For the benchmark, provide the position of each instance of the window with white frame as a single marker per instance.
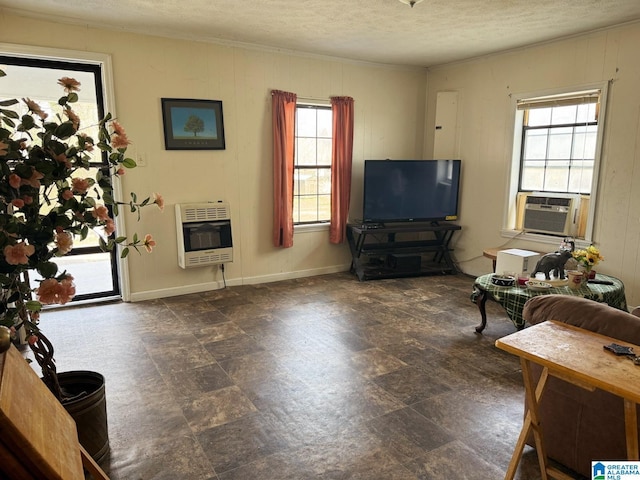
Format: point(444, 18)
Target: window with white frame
point(312, 164)
point(557, 142)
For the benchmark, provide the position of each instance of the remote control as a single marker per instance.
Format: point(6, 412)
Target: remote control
point(601, 282)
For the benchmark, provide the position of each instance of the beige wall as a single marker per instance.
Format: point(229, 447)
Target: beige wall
point(389, 122)
point(485, 123)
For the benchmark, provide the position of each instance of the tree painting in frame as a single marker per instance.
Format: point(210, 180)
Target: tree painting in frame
point(192, 124)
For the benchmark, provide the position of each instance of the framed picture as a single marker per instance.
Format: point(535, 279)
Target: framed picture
point(192, 124)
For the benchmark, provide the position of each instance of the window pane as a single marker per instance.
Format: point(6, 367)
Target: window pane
point(539, 116)
point(305, 122)
point(324, 123)
point(305, 151)
point(307, 182)
point(560, 142)
point(556, 178)
point(324, 208)
point(308, 208)
point(586, 113)
point(324, 181)
point(535, 144)
point(563, 115)
point(584, 142)
point(580, 176)
point(324, 151)
point(533, 175)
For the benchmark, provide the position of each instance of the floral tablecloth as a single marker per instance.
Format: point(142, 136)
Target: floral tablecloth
point(512, 299)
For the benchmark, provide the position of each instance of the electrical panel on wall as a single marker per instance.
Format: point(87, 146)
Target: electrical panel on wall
point(204, 234)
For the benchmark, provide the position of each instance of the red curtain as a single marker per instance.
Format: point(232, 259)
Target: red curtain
point(284, 114)
point(341, 156)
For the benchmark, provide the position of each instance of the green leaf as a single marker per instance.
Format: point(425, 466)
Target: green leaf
point(125, 252)
point(7, 103)
point(9, 122)
point(10, 113)
point(120, 239)
point(64, 130)
point(72, 97)
point(27, 122)
point(129, 163)
point(62, 101)
point(47, 269)
point(33, 306)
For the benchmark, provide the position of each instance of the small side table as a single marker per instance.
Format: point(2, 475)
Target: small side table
point(512, 299)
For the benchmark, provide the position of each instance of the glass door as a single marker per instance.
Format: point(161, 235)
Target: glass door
point(95, 272)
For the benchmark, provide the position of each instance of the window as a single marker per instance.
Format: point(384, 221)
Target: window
point(312, 165)
point(557, 141)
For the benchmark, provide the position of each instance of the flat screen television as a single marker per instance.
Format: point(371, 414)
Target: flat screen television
point(410, 190)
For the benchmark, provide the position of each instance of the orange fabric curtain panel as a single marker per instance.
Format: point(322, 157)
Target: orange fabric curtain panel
point(342, 154)
point(284, 115)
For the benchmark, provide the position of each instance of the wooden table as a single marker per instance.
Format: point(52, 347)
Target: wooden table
point(577, 356)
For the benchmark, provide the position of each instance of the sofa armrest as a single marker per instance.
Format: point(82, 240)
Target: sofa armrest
point(583, 313)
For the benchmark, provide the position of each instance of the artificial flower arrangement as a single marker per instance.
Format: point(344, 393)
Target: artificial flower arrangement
point(588, 257)
point(47, 200)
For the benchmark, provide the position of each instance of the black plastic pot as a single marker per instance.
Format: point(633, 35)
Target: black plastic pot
point(89, 410)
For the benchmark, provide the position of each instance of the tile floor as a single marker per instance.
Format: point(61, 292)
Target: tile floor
point(317, 378)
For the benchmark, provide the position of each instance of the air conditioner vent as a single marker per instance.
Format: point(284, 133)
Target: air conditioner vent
point(551, 214)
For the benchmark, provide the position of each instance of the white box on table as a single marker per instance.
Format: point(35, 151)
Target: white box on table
point(517, 261)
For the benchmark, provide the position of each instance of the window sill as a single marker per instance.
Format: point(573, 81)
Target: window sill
point(540, 238)
point(311, 227)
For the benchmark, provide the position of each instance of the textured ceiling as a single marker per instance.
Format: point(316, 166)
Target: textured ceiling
point(384, 31)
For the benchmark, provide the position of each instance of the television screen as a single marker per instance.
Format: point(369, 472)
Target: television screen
point(410, 190)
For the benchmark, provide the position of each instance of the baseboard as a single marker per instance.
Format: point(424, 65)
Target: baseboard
point(234, 282)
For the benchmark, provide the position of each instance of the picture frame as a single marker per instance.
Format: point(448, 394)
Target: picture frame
point(191, 124)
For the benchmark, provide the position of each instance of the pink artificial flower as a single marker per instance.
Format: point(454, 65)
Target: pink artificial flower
point(80, 186)
point(34, 180)
point(73, 117)
point(67, 194)
point(32, 340)
point(64, 242)
point(100, 212)
point(120, 141)
point(69, 84)
point(61, 158)
point(17, 202)
point(27, 199)
point(149, 242)
point(120, 171)
point(67, 290)
point(18, 254)
point(51, 291)
point(35, 108)
point(117, 128)
point(159, 201)
point(109, 227)
point(14, 181)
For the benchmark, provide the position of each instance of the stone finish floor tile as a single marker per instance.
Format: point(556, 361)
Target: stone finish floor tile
point(323, 378)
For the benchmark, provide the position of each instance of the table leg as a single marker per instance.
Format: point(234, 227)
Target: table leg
point(631, 429)
point(531, 422)
point(481, 302)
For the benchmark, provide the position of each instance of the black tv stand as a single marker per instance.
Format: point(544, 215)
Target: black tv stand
point(380, 252)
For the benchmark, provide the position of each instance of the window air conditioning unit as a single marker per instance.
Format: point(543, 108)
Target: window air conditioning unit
point(554, 214)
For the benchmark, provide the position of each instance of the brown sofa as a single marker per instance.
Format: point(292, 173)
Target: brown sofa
point(581, 426)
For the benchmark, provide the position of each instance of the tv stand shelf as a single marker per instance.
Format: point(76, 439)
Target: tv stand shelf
point(380, 252)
